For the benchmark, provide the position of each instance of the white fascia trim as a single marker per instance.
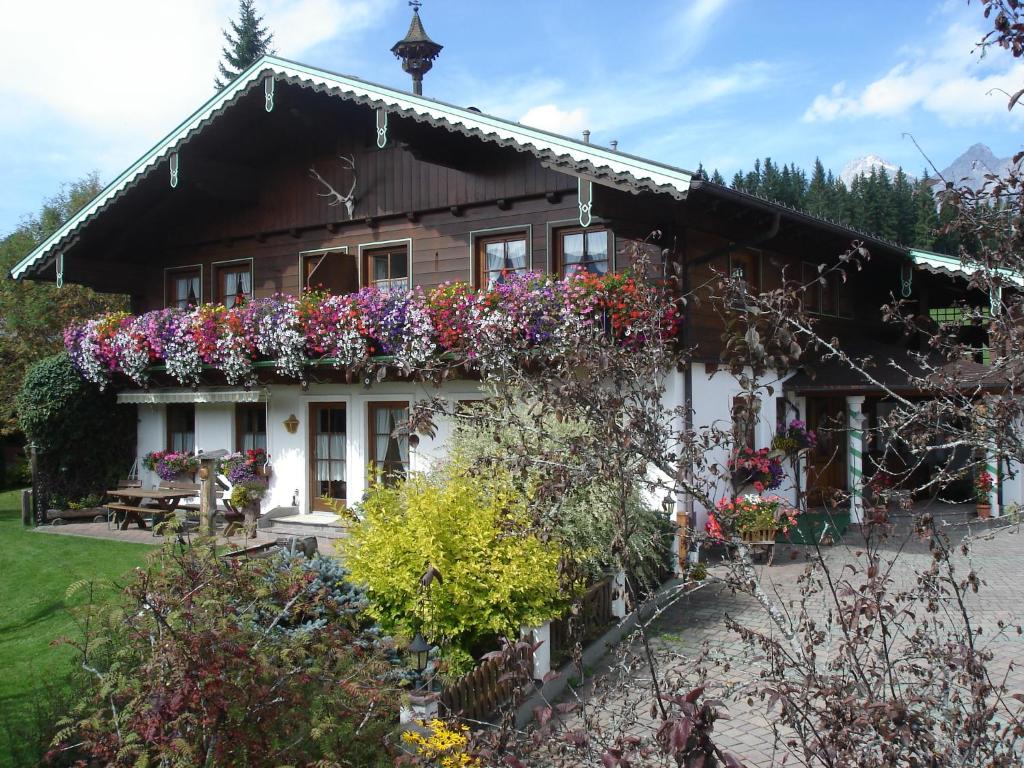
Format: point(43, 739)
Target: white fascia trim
point(954, 265)
point(183, 396)
point(640, 169)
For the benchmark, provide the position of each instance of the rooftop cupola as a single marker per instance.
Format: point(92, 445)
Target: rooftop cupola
point(417, 51)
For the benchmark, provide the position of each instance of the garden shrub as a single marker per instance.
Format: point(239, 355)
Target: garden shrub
point(84, 440)
point(584, 519)
point(237, 662)
point(491, 574)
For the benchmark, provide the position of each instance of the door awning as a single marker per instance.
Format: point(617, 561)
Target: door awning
point(194, 396)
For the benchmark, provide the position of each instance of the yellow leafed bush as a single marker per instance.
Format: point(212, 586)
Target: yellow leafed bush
point(493, 573)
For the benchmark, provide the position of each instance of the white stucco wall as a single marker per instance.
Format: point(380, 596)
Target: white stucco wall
point(712, 397)
point(152, 434)
point(289, 480)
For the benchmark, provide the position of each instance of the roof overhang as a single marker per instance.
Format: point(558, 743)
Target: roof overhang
point(555, 151)
point(950, 266)
point(193, 396)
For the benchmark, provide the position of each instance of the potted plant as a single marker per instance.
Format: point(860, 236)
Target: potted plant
point(246, 497)
point(171, 465)
point(792, 439)
point(754, 520)
point(759, 468)
point(982, 490)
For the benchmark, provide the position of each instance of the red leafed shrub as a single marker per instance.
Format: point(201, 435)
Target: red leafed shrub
point(209, 661)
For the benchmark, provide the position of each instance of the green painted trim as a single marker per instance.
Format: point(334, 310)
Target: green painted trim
point(854, 444)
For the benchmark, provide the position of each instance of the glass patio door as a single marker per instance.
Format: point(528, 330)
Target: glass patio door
point(328, 429)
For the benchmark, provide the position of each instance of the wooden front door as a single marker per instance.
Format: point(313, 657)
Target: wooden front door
point(826, 465)
point(327, 434)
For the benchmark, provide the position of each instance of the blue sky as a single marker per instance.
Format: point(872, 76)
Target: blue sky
point(91, 86)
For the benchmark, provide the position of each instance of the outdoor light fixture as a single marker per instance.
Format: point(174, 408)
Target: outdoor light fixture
point(291, 424)
point(420, 648)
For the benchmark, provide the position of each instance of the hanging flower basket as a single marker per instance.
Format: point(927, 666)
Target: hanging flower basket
point(794, 438)
point(171, 465)
point(761, 469)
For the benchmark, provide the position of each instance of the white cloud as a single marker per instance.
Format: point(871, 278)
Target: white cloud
point(549, 117)
point(131, 69)
point(690, 26)
point(945, 80)
point(609, 105)
point(298, 25)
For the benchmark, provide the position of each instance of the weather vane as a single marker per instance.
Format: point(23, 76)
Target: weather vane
point(415, 5)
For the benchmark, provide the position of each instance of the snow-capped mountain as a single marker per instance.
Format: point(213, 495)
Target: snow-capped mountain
point(864, 165)
point(970, 168)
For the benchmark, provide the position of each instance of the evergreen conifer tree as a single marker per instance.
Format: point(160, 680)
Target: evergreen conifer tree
point(926, 217)
point(819, 191)
point(246, 42)
point(716, 178)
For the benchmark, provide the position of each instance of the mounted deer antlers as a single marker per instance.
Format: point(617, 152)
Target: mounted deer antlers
point(348, 200)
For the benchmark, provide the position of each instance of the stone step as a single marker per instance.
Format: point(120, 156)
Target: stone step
point(321, 526)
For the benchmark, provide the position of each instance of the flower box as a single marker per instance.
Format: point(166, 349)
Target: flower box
point(530, 316)
point(759, 536)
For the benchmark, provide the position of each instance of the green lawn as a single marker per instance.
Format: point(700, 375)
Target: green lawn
point(35, 570)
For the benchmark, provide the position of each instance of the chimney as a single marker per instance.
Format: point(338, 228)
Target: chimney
point(586, 137)
point(416, 50)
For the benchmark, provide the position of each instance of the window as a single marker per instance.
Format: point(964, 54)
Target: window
point(830, 294)
point(499, 256)
point(745, 410)
point(250, 427)
point(332, 271)
point(389, 452)
point(824, 298)
point(746, 266)
point(812, 287)
point(234, 283)
point(181, 428)
point(388, 268)
point(184, 288)
point(582, 249)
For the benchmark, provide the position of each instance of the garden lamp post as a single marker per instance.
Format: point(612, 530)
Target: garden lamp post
point(422, 703)
point(420, 649)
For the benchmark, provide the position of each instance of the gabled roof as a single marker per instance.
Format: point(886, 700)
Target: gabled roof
point(555, 151)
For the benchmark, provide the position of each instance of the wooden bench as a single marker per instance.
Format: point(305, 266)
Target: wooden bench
point(136, 514)
point(173, 485)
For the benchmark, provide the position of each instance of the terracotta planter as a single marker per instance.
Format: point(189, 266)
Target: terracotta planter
point(984, 511)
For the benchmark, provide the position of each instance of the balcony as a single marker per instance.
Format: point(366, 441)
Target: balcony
point(524, 319)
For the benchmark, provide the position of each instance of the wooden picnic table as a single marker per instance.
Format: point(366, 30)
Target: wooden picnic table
point(164, 502)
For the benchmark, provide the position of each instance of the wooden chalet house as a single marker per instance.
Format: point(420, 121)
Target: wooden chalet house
point(294, 177)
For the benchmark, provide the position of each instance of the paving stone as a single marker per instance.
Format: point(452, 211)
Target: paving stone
point(700, 619)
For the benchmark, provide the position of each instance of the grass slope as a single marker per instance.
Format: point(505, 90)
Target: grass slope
point(35, 570)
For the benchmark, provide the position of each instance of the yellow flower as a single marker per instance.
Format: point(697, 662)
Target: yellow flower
point(445, 745)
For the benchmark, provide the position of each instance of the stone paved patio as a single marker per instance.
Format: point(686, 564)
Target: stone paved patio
point(700, 618)
point(137, 536)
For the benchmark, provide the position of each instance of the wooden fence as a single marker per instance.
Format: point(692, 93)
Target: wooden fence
point(593, 618)
point(480, 693)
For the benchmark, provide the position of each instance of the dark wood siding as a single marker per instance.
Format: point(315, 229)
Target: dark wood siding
point(441, 246)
